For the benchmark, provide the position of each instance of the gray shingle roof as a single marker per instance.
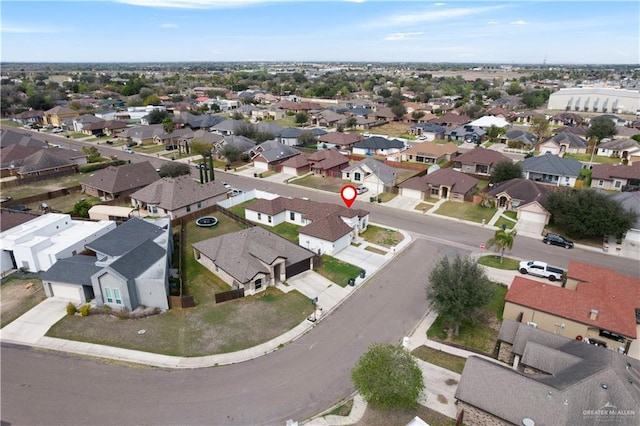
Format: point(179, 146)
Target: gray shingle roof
point(44, 159)
point(138, 260)
point(174, 193)
point(73, 270)
point(377, 142)
point(241, 254)
point(290, 132)
point(630, 201)
point(12, 137)
point(125, 237)
point(573, 140)
point(386, 174)
point(275, 151)
point(521, 189)
point(521, 136)
point(551, 164)
point(580, 372)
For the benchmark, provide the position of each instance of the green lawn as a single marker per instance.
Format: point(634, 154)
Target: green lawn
point(596, 158)
point(439, 358)
point(466, 211)
point(482, 333)
point(493, 261)
point(44, 186)
point(337, 271)
point(509, 224)
point(285, 230)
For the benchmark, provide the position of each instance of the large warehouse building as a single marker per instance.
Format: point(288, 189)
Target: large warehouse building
point(594, 99)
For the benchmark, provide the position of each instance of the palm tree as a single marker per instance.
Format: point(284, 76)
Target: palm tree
point(502, 240)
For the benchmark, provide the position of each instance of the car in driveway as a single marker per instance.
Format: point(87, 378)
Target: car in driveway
point(361, 189)
point(557, 240)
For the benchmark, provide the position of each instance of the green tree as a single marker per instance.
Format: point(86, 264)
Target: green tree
point(152, 100)
point(385, 93)
point(600, 128)
point(388, 377)
point(588, 214)
point(417, 115)
point(93, 155)
point(39, 102)
point(203, 149)
point(157, 116)
point(505, 170)
point(168, 126)
point(514, 88)
point(174, 169)
point(457, 288)
point(502, 240)
point(81, 208)
point(231, 153)
point(301, 118)
point(351, 122)
point(306, 138)
point(540, 128)
point(398, 110)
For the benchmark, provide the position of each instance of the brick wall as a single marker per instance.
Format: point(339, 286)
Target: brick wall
point(476, 416)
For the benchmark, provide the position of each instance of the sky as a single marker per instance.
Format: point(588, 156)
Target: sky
point(502, 32)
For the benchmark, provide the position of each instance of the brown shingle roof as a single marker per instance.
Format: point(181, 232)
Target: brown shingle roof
point(122, 178)
point(329, 228)
point(459, 182)
point(174, 193)
point(609, 171)
point(339, 138)
point(481, 156)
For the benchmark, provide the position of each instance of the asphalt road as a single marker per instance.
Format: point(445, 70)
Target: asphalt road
point(298, 381)
point(302, 379)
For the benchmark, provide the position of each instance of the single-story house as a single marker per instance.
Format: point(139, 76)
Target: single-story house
point(378, 145)
point(616, 177)
point(526, 198)
point(38, 244)
point(520, 139)
point(567, 119)
point(177, 197)
point(50, 161)
point(444, 184)
point(479, 161)
point(295, 166)
point(320, 232)
point(430, 131)
point(552, 170)
point(289, 136)
point(327, 162)
point(29, 117)
point(252, 259)
point(130, 268)
point(10, 137)
point(13, 156)
point(549, 378)
point(371, 173)
point(467, 133)
point(620, 148)
point(430, 152)
point(487, 121)
point(270, 154)
point(119, 182)
point(596, 305)
point(342, 141)
point(564, 142)
point(327, 118)
point(141, 134)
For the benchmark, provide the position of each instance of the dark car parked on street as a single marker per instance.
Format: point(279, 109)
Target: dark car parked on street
point(557, 240)
point(19, 208)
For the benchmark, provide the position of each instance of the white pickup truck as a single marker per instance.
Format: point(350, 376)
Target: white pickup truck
point(540, 269)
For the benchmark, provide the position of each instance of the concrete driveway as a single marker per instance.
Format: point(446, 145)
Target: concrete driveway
point(32, 325)
point(364, 259)
point(529, 228)
point(403, 203)
point(312, 285)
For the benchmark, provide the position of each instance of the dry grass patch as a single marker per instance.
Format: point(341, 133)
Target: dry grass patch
point(17, 296)
point(323, 183)
point(382, 236)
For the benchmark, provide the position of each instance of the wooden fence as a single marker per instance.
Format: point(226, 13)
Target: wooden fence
point(229, 295)
point(43, 197)
point(235, 217)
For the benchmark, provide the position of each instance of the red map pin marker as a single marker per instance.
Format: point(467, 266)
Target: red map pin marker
point(348, 194)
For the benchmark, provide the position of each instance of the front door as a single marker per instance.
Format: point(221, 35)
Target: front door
point(444, 193)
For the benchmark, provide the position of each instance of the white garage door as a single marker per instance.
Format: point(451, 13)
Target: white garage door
point(533, 217)
point(411, 193)
point(72, 292)
point(260, 165)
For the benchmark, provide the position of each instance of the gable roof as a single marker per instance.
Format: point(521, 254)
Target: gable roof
point(138, 260)
point(488, 121)
point(619, 144)
point(296, 162)
point(629, 201)
point(118, 179)
point(73, 270)
point(44, 159)
point(378, 142)
point(610, 171)
point(289, 132)
point(451, 118)
point(338, 138)
point(521, 136)
point(329, 228)
point(428, 127)
point(273, 151)
point(479, 155)
point(14, 137)
point(614, 295)
point(241, 254)
point(521, 189)
point(551, 164)
point(459, 182)
point(125, 237)
point(433, 149)
point(174, 193)
point(311, 210)
point(384, 173)
point(571, 139)
point(16, 154)
point(327, 159)
point(573, 385)
point(244, 144)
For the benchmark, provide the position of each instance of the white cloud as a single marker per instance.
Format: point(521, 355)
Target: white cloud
point(192, 4)
point(402, 36)
point(431, 16)
point(520, 22)
point(355, 1)
point(439, 4)
point(169, 26)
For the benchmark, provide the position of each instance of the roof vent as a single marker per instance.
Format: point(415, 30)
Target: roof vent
point(593, 315)
point(528, 422)
point(605, 386)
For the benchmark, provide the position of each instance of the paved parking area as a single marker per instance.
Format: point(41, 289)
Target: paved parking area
point(404, 203)
point(313, 285)
point(32, 326)
point(364, 259)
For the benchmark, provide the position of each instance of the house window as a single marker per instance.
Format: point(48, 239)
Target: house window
point(617, 184)
point(600, 182)
point(113, 295)
point(258, 284)
point(107, 294)
point(116, 295)
point(188, 209)
point(356, 176)
point(292, 215)
point(435, 191)
point(199, 204)
point(269, 219)
point(347, 175)
point(259, 216)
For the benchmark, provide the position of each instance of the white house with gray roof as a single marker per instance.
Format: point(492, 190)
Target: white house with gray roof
point(39, 243)
point(130, 268)
point(552, 170)
point(371, 173)
point(378, 145)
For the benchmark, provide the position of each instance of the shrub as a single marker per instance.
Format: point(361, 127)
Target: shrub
point(84, 310)
point(121, 314)
point(71, 309)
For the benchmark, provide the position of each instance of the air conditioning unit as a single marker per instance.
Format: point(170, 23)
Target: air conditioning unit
point(532, 324)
